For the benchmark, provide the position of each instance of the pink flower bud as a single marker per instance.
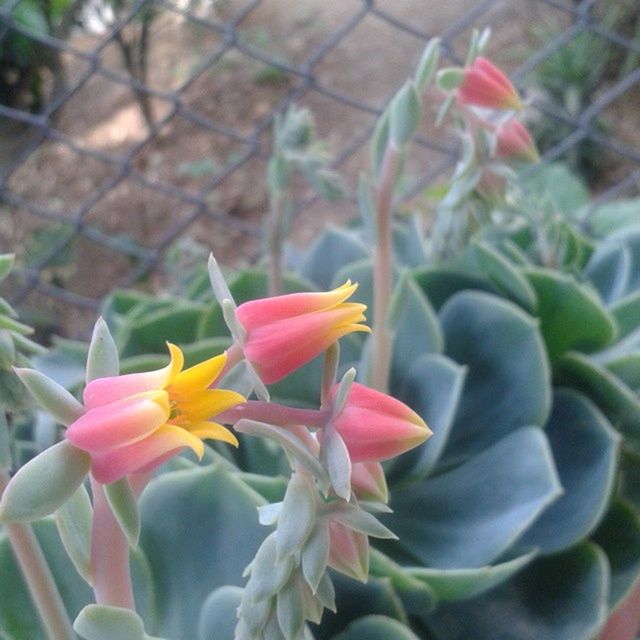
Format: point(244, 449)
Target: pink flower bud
point(492, 188)
point(376, 427)
point(368, 482)
point(484, 85)
point(515, 142)
point(348, 551)
point(135, 422)
point(286, 332)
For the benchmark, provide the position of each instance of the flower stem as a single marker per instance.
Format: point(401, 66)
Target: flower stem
point(273, 413)
point(37, 575)
point(382, 271)
point(109, 555)
point(276, 232)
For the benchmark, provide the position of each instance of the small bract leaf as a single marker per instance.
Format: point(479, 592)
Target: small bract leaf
point(268, 575)
point(404, 113)
point(51, 396)
point(5, 449)
point(428, 64)
point(101, 622)
point(450, 78)
point(103, 360)
point(73, 520)
point(338, 463)
point(358, 519)
point(6, 264)
point(7, 349)
point(290, 610)
point(124, 506)
point(315, 555)
point(297, 515)
point(43, 484)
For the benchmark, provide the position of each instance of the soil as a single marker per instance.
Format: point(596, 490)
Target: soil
point(135, 193)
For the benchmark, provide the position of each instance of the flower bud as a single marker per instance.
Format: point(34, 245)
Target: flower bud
point(286, 332)
point(515, 142)
point(375, 426)
point(368, 482)
point(484, 85)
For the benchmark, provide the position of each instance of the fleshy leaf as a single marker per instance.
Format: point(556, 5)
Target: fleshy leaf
point(51, 396)
point(468, 516)
point(461, 584)
point(103, 360)
point(376, 628)
point(500, 394)
point(571, 316)
point(585, 450)
point(73, 520)
point(198, 547)
point(101, 622)
point(124, 506)
point(218, 615)
point(43, 484)
point(297, 515)
point(432, 388)
point(555, 598)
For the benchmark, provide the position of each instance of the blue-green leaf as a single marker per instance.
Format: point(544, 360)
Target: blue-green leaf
point(585, 450)
point(441, 284)
point(192, 522)
point(508, 379)
point(468, 516)
point(376, 628)
point(103, 360)
point(218, 616)
point(124, 506)
point(562, 597)
point(432, 388)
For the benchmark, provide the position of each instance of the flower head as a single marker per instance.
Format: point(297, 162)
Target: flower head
point(484, 85)
point(285, 332)
point(515, 142)
point(134, 422)
point(375, 426)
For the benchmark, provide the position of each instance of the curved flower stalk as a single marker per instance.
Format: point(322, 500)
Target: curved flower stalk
point(326, 517)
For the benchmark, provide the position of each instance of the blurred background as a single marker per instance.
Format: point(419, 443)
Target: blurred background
point(134, 134)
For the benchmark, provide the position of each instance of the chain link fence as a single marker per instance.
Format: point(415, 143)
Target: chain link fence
point(126, 125)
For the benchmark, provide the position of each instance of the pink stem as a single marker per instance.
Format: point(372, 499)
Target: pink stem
point(382, 271)
point(274, 413)
point(234, 355)
point(109, 555)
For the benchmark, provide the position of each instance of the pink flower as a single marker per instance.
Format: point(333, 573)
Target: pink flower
point(376, 426)
point(348, 551)
point(368, 482)
point(515, 142)
point(286, 332)
point(135, 422)
point(484, 85)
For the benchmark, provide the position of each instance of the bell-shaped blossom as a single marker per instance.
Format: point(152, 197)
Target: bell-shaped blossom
point(285, 332)
point(514, 142)
point(135, 422)
point(484, 85)
point(368, 482)
point(348, 551)
point(375, 426)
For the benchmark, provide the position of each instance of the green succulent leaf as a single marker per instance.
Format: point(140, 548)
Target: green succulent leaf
point(43, 484)
point(432, 388)
point(499, 271)
point(609, 271)
point(619, 537)
point(440, 284)
point(613, 397)
point(555, 598)
point(468, 516)
point(6, 264)
point(334, 249)
point(508, 379)
point(462, 584)
point(124, 506)
point(415, 327)
point(585, 450)
point(100, 622)
point(103, 360)
point(191, 523)
point(613, 216)
point(571, 316)
point(218, 615)
point(626, 312)
point(376, 628)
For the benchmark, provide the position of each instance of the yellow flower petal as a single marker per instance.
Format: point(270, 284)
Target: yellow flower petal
point(202, 405)
point(175, 366)
point(200, 376)
point(213, 431)
point(184, 437)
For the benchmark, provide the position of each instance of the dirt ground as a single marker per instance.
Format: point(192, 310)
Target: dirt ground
point(140, 193)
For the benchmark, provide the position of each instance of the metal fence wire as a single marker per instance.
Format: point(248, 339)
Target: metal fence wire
point(144, 121)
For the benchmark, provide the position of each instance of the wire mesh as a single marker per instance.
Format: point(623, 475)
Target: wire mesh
point(117, 194)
